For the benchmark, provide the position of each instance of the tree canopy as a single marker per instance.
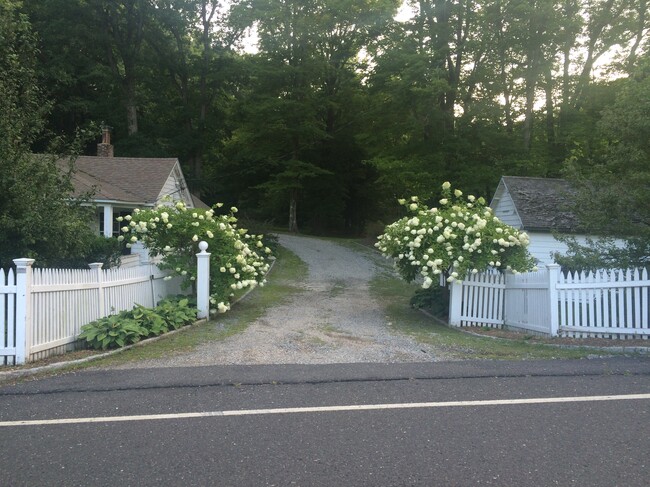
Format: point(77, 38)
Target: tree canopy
point(320, 115)
point(39, 218)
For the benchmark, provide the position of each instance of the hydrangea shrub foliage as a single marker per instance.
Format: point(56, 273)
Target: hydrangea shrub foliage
point(238, 260)
point(459, 237)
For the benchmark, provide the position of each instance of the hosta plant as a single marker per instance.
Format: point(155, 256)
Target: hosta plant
point(176, 313)
point(150, 320)
point(128, 327)
point(113, 331)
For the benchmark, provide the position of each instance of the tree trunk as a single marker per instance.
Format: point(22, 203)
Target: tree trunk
point(566, 94)
point(596, 46)
point(131, 105)
point(528, 117)
point(550, 117)
point(207, 13)
point(123, 24)
point(533, 56)
point(642, 10)
point(293, 203)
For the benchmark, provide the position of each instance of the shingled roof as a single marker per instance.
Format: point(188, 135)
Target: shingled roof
point(543, 204)
point(124, 179)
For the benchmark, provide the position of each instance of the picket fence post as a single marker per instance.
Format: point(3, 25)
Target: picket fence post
point(203, 281)
point(96, 267)
point(23, 308)
point(553, 275)
point(455, 302)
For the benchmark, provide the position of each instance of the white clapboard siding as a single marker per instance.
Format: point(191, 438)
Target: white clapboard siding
point(7, 317)
point(505, 208)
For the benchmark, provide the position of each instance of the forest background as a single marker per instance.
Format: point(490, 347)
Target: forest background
point(339, 109)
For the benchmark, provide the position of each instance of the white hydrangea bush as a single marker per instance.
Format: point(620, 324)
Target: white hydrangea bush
point(459, 237)
point(238, 260)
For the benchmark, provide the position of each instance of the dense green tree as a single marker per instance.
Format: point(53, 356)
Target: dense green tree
point(603, 253)
point(74, 68)
point(491, 87)
point(38, 216)
point(194, 49)
point(611, 170)
point(614, 173)
point(299, 109)
point(122, 25)
point(342, 109)
point(67, 67)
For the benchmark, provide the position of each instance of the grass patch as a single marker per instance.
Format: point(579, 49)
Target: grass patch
point(337, 289)
point(332, 331)
point(453, 343)
point(310, 340)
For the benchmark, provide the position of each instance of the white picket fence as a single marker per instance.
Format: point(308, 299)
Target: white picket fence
point(43, 310)
point(528, 304)
point(606, 303)
point(478, 301)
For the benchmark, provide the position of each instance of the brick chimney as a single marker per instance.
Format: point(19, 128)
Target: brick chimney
point(105, 149)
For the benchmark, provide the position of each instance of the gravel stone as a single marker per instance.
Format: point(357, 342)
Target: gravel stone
point(334, 320)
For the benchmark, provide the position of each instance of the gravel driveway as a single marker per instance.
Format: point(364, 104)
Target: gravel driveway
point(335, 319)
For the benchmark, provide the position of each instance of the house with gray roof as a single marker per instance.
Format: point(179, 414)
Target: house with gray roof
point(541, 207)
point(120, 184)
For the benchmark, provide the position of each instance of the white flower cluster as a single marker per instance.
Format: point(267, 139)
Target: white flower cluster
point(461, 236)
point(239, 260)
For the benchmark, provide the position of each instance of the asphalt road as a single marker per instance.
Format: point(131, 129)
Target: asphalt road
point(455, 423)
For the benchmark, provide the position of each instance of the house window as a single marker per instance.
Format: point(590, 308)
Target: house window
point(118, 225)
point(100, 220)
point(117, 228)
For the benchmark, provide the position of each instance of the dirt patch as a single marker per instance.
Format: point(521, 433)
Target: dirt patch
point(333, 319)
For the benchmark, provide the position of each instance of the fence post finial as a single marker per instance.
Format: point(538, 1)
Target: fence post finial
point(203, 281)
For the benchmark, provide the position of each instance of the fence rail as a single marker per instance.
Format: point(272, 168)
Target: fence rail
point(605, 302)
point(482, 300)
point(612, 303)
point(42, 310)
